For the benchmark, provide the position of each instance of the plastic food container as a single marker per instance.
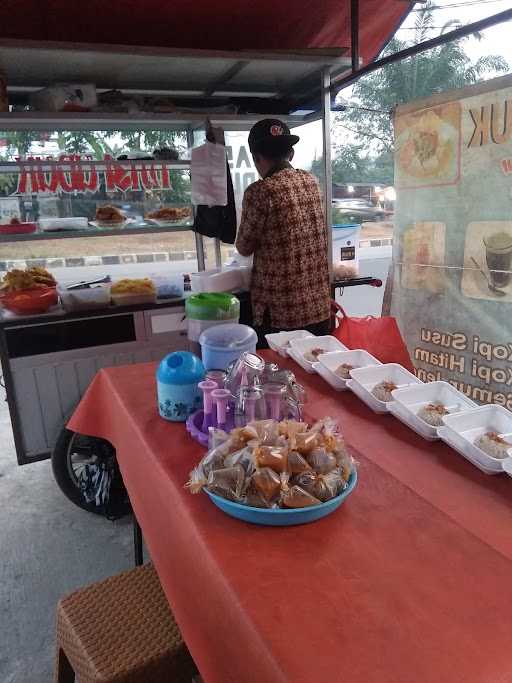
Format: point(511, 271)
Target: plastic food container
point(410, 400)
point(30, 301)
point(300, 347)
point(56, 224)
point(281, 517)
point(329, 362)
point(461, 431)
point(177, 378)
point(128, 299)
point(280, 341)
point(209, 309)
point(168, 286)
point(217, 280)
point(222, 344)
point(86, 299)
point(17, 228)
point(364, 380)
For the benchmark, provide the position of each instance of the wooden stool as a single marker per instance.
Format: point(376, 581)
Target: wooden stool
point(120, 630)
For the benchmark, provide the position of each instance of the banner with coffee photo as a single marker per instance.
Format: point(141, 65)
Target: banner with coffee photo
point(452, 253)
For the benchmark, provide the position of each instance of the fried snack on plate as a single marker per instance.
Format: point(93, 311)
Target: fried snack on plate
point(109, 214)
point(169, 213)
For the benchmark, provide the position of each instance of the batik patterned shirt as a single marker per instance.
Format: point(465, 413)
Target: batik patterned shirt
point(283, 226)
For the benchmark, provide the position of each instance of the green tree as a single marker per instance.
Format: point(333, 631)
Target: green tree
point(368, 125)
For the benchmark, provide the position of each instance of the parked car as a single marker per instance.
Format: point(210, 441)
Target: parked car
point(356, 211)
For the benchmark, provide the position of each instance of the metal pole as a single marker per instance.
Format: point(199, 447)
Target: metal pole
point(342, 82)
point(138, 549)
point(218, 254)
point(199, 238)
point(326, 132)
point(354, 33)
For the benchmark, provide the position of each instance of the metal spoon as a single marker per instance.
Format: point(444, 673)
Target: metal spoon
point(492, 287)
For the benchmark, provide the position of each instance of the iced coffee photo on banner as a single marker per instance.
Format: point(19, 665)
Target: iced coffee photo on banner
point(488, 261)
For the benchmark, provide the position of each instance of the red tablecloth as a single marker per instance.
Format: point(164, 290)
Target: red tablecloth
point(410, 580)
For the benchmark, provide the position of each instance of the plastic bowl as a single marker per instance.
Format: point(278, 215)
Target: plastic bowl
point(30, 301)
point(279, 517)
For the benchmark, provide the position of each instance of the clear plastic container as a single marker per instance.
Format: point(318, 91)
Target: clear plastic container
point(223, 344)
point(217, 281)
point(129, 299)
point(87, 299)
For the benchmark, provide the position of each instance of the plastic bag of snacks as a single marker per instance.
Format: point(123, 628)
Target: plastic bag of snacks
point(267, 464)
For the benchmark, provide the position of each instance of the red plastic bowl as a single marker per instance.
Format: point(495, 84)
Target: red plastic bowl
point(30, 301)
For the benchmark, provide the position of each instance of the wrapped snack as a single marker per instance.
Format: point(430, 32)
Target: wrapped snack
point(267, 431)
point(243, 457)
point(297, 463)
point(197, 479)
point(266, 482)
point(305, 442)
point(345, 465)
point(216, 437)
point(289, 428)
point(295, 496)
point(271, 456)
point(328, 485)
point(306, 480)
point(254, 498)
point(228, 482)
point(214, 459)
point(328, 433)
point(321, 461)
point(382, 391)
point(242, 435)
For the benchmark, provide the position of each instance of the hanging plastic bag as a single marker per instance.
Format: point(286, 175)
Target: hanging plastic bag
point(208, 172)
point(379, 336)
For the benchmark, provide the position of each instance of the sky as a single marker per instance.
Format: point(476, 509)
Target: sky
point(495, 40)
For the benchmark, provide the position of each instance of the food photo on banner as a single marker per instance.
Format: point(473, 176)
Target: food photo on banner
point(452, 289)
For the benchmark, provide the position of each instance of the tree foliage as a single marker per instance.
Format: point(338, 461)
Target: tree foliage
point(366, 127)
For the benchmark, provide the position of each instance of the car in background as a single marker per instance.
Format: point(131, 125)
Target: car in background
point(345, 211)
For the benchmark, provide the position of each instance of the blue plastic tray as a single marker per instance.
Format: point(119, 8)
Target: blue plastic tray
point(279, 517)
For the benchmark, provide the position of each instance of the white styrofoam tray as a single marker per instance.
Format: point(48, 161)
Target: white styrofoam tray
point(364, 379)
point(395, 410)
point(298, 347)
point(459, 446)
point(280, 341)
point(300, 360)
point(328, 362)
point(464, 428)
point(412, 398)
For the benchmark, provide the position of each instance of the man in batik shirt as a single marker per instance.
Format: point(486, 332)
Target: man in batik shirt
point(283, 227)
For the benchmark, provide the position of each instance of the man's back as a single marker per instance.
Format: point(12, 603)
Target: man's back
point(283, 223)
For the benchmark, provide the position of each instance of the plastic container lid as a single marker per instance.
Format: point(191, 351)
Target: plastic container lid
point(180, 367)
point(230, 336)
point(212, 306)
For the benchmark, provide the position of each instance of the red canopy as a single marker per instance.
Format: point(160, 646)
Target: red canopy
point(205, 24)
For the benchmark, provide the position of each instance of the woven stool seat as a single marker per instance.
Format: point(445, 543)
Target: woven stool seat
point(120, 630)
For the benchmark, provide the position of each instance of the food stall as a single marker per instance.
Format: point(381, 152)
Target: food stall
point(57, 198)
